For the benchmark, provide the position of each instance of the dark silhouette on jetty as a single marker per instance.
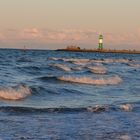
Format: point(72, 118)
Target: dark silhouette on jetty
point(78, 49)
point(100, 49)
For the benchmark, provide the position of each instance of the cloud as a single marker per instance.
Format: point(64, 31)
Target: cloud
point(122, 38)
point(30, 33)
point(68, 36)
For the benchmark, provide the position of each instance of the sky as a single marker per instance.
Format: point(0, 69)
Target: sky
point(52, 24)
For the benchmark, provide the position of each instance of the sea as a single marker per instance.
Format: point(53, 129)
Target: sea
point(57, 95)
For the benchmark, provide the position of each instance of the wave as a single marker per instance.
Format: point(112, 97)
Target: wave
point(87, 80)
point(92, 109)
point(98, 64)
point(116, 60)
point(30, 68)
point(54, 58)
point(133, 65)
point(98, 69)
point(70, 59)
point(112, 61)
point(51, 110)
point(126, 107)
point(80, 61)
point(24, 59)
point(15, 93)
point(62, 67)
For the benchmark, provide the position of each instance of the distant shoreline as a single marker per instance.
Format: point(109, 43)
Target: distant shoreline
point(80, 50)
point(101, 51)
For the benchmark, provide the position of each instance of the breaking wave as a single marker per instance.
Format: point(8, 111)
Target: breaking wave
point(80, 61)
point(126, 107)
point(62, 67)
point(98, 69)
point(54, 58)
point(15, 93)
point(112, 61)
point(87, 80)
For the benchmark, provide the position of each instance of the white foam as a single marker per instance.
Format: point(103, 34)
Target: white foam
point(80, 63)
point(98, 69)
point(81, 60)
point(70, 59)
point(121, 60)
point(15, 93)
point(97, 61)
point(87, 80)
point(54, 58)
point(62, 67)
point(111, 61)
point(126, 107)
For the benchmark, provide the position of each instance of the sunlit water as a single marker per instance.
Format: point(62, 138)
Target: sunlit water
point(67, 95)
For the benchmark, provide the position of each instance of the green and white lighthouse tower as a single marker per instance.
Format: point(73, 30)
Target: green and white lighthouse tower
point(100, 47)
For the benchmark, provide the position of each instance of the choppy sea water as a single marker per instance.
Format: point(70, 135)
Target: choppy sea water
point(67, 95)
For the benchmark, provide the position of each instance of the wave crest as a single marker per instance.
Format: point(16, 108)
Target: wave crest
point(87, 80)
point(15, 93)
point(80, 60)
point(62, 67)
point(98, 69)
point(126, 107)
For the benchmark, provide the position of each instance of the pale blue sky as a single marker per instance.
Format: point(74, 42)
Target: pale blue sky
point(107, 16)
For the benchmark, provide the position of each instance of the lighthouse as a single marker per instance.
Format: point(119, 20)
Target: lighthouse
point(100, 47)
